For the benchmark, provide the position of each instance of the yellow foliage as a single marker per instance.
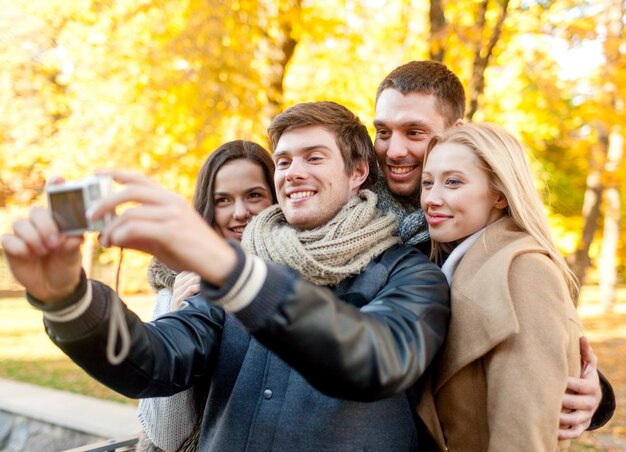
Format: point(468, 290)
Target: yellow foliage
point(156, 86)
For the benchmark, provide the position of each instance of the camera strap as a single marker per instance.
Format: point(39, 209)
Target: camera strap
point(118, 327)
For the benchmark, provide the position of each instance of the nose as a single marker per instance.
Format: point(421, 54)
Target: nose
point(241, 211)
point(296, 170)
point(431, 197)
point(396, 149)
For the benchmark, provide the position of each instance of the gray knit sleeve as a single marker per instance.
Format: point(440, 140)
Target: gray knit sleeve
point(167, 421)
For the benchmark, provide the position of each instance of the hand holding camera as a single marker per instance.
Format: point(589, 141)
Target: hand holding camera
point(44, 250)
point(42, 260)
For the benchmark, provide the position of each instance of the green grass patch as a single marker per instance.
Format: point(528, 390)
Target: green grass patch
point(60, 374)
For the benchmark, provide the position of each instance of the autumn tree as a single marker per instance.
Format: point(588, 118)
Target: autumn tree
point(156, 86)
point(33, 102)
point(614, 41)
point(602, 102)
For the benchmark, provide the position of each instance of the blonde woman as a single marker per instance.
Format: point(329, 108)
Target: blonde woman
point(514, 332)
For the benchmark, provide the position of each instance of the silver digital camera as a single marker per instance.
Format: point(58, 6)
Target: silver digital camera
point(70, 201)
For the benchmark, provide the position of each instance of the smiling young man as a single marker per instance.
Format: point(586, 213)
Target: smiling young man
point(415, 102)
point(351, 318)
point(310, 179)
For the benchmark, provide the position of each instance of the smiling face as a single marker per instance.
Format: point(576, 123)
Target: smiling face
point(404, 126)
point(240, 192)
point(311, 180)
point(457, 195)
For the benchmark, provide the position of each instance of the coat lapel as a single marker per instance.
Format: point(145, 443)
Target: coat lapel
point(483, 315)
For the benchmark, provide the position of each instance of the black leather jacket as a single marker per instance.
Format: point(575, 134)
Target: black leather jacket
point(368, 339)
point(372, 336)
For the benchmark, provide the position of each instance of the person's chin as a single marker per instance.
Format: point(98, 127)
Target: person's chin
point(305, 220)
point(403, 190)
point(444, 237)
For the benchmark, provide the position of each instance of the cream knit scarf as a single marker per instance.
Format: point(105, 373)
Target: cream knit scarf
point(328, 254)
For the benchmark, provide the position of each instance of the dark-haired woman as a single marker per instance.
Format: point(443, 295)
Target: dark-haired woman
point(234, 184)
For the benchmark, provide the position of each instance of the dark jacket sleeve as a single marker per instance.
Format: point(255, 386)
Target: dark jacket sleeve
point(166, 356)
point(365, 353)
point(606, 409)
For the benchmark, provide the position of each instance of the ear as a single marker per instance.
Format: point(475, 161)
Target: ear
point(359, 175)
point(458, 122)
point(501, 202)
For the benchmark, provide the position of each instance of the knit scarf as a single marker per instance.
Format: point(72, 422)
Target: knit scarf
point(331, 253)
point(412, 226)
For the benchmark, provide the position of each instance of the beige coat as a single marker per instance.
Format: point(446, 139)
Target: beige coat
point(499, 379)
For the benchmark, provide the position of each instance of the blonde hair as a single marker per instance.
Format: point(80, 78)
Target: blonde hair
point(504, 159)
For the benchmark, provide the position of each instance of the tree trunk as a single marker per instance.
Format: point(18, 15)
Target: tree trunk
point(607, 265)
point(280, 52)
point(438, 30)
point(482, 55)
point(579, 259)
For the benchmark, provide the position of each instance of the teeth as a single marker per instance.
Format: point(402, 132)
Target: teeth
point(301, 194)
point(402, 169)
point(239, 229)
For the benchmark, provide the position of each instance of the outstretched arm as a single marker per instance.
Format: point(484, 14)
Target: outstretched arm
point(77, 311)
point(158, 222)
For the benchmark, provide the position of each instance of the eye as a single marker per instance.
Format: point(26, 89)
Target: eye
point(256, 195)
point(221, 201)
point(382, 134)
point(417, 133)
point(427, 183)
point(453, 182)
point(282, 163)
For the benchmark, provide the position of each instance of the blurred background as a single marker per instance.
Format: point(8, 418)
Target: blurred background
point(155, 86)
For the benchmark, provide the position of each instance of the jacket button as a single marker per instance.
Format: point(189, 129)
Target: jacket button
point(267, 394)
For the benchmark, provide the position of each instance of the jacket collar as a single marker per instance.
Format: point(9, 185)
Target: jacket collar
point(452, 262)
point(482, 314)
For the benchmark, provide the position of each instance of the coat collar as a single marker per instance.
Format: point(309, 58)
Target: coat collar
point(482, 313)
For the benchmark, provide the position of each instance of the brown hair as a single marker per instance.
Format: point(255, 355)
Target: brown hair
point(228, 152)
point(351, 135)
point(429, 77)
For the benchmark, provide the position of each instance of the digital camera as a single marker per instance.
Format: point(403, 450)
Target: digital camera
point(70, 201)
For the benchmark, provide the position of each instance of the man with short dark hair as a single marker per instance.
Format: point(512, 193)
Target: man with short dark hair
point(415, 102)
point(345, 311)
